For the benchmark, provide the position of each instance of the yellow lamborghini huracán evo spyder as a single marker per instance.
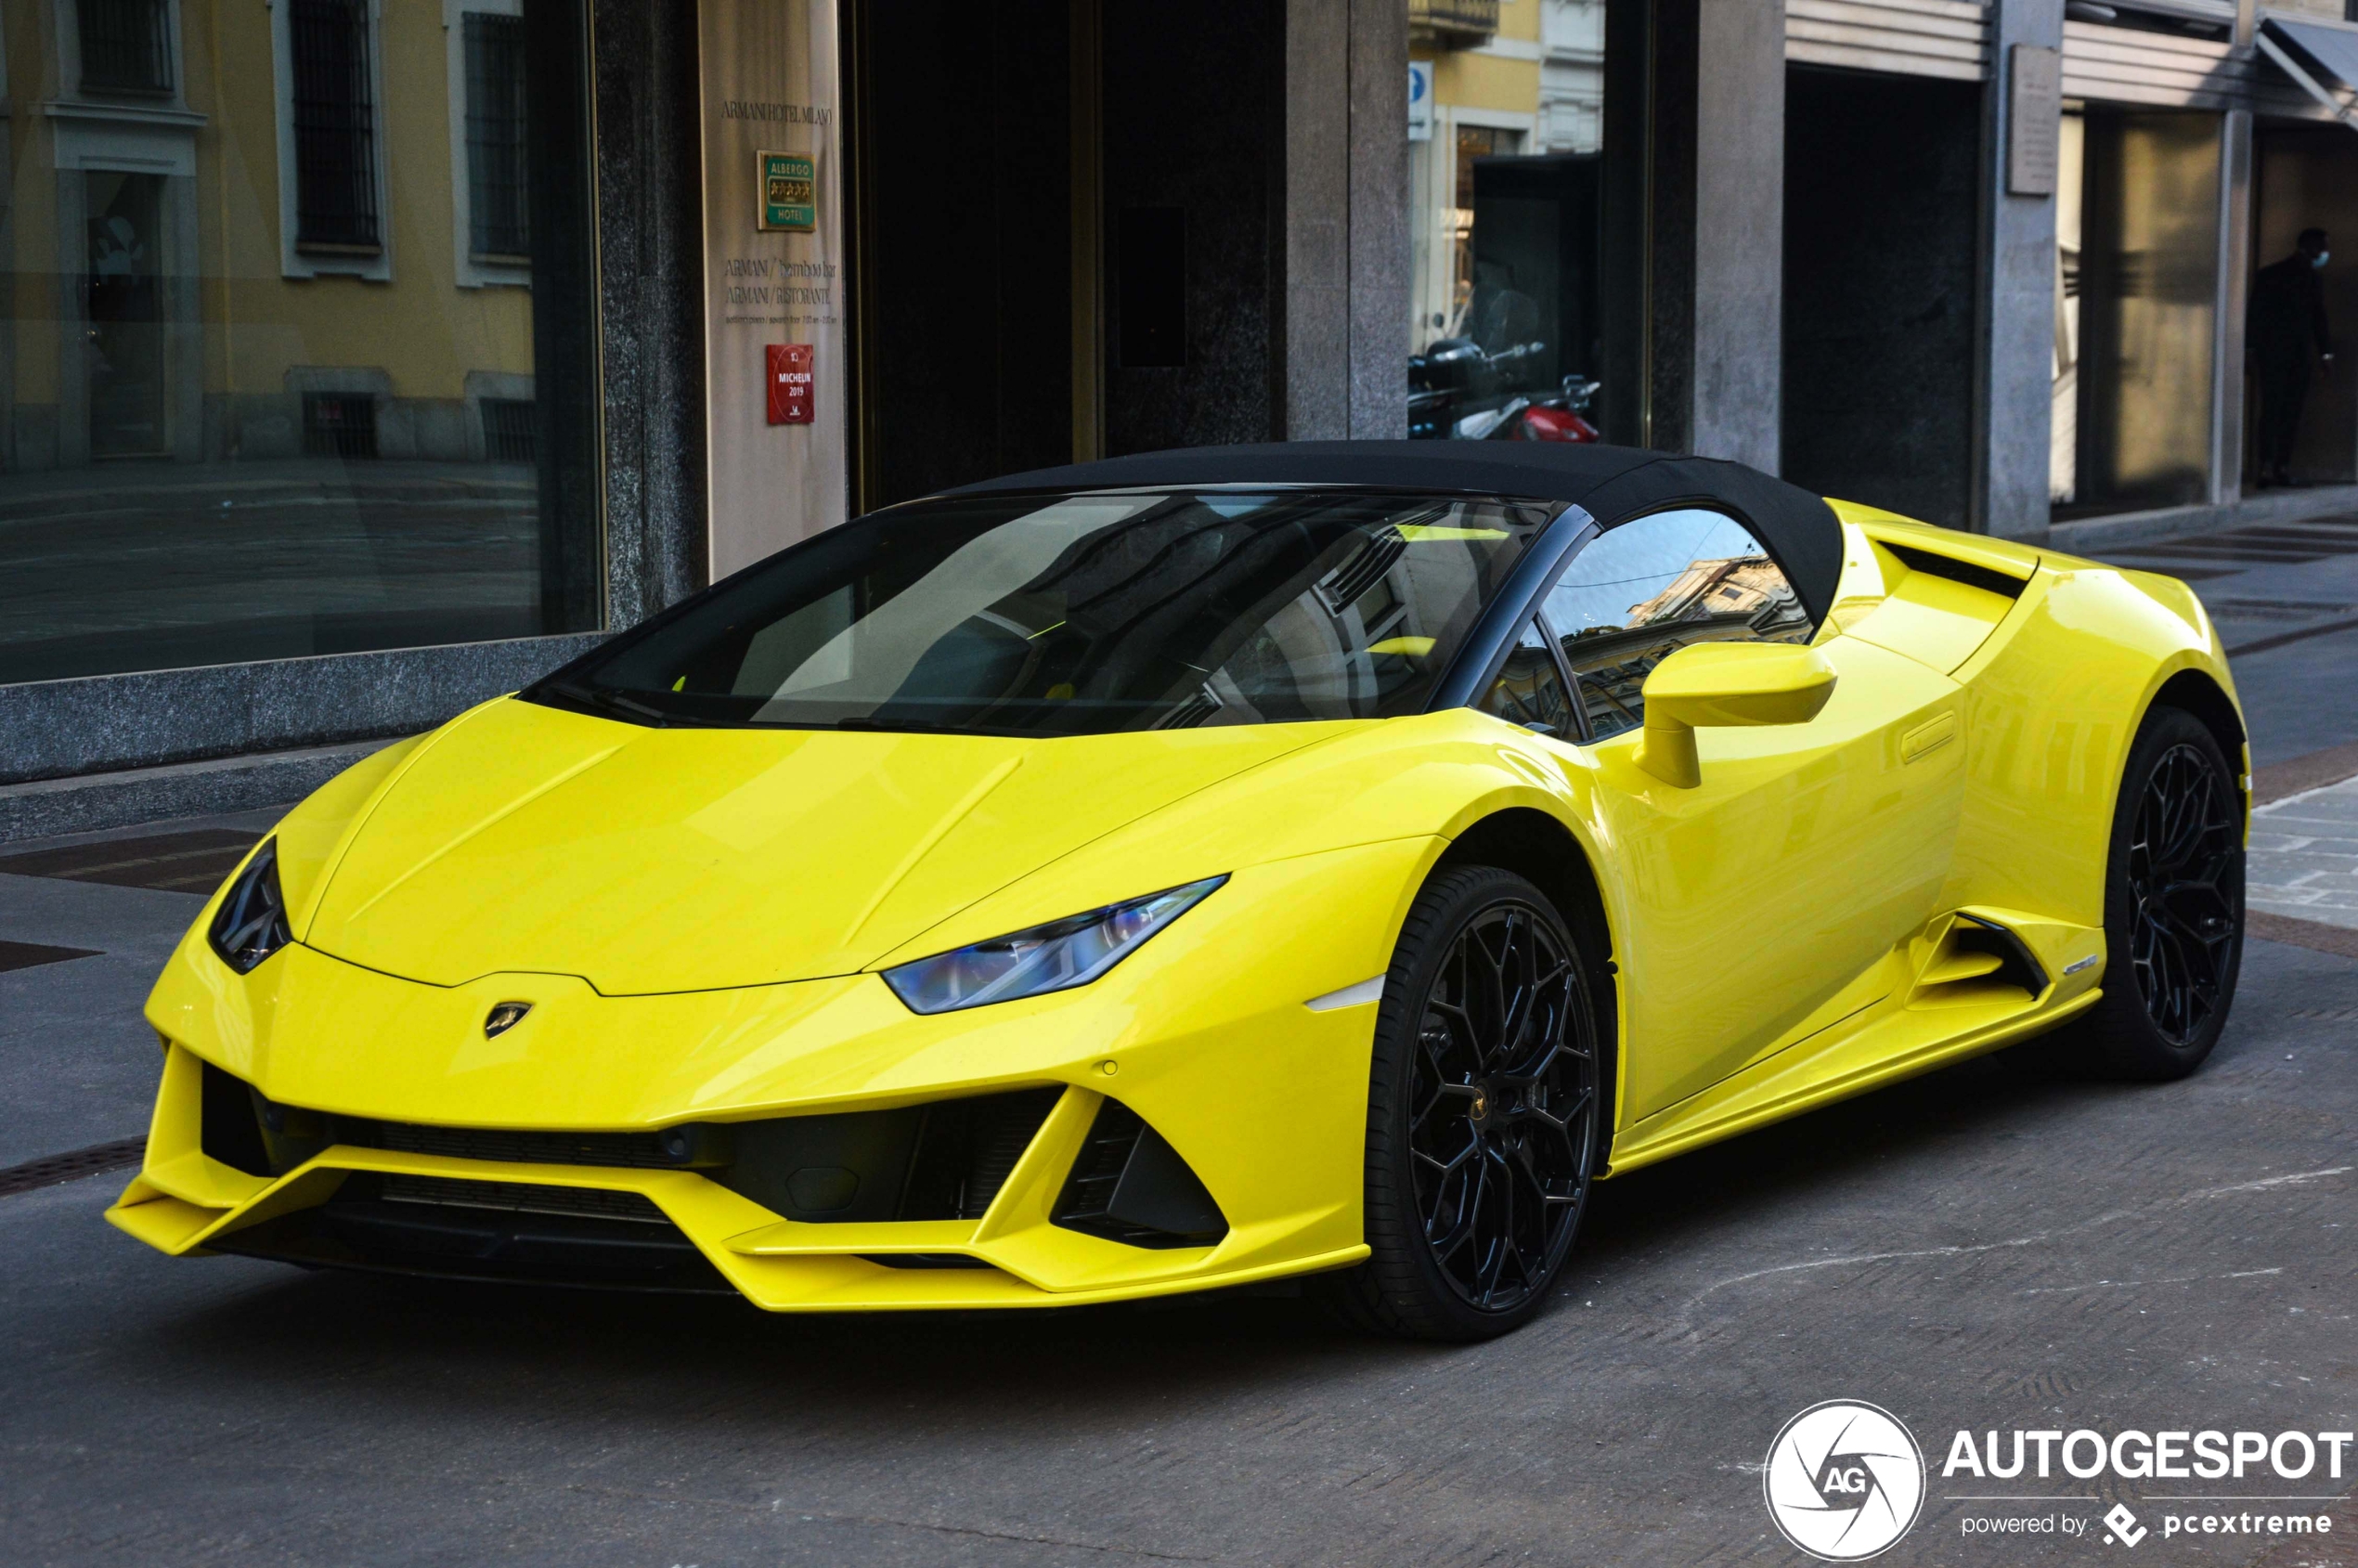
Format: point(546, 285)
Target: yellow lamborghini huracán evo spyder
point(1203, 868)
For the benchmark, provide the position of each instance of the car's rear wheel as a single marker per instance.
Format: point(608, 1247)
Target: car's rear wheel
point(2173, 904)
point(1483, 1108)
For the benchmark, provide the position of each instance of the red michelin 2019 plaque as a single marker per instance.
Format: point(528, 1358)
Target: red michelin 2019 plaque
point(790, 383)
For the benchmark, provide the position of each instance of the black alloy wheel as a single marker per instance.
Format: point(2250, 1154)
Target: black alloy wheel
point(1483, 1118)
point(2182, 918)
point(2173, 903)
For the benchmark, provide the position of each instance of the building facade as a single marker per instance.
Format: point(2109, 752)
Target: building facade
point(365, 358)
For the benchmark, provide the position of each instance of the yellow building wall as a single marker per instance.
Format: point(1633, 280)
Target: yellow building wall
point(1463, 79)
point(1468, 81)
point(421, 328)
point(424, 329)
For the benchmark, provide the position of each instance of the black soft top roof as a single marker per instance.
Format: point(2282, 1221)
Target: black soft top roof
point(1611, 484)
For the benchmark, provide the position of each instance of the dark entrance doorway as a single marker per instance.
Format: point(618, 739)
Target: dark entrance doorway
point(1881, 194)
point(1066, 234)
point(2307, 177)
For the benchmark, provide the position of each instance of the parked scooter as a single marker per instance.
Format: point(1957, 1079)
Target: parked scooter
point(1560, 418)
point(1455, 380)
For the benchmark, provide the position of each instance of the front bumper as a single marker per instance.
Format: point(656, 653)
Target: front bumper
point(1206, 1036)
point(1015, 1254)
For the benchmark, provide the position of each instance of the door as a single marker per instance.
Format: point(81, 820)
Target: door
point(123, 281)
point(2148, 309)
point(1808, 852)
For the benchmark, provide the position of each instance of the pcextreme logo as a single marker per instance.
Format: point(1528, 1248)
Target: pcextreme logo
point(1843, 1479)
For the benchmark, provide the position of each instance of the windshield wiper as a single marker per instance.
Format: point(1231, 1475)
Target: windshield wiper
point(887, 727)
point(615, 700)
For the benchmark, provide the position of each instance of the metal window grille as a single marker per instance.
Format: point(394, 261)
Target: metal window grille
point(499, 209)
point(334, 126)
point(339, 425)
point(507, 430)
point(126, 46)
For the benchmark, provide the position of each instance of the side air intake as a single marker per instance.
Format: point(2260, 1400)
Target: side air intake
point(1130, 1186)
point(1978, 961)
point(1934, 564)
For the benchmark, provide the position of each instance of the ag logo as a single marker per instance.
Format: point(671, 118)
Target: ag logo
point(1844, 1481)
point(503, 1018)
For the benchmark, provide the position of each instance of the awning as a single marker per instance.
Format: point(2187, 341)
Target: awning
point(2305, 50)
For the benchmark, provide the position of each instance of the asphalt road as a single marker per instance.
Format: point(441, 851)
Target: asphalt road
point(1993, 1246)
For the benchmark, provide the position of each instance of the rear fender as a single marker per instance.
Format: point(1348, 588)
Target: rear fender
point(2053, 705)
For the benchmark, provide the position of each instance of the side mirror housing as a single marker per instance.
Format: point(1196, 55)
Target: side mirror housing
point(1726, 684)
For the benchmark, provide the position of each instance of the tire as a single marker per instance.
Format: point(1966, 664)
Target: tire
point(1482, 1120)
point(2173, 905)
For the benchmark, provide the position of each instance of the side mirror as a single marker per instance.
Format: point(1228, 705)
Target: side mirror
point(1726, 684)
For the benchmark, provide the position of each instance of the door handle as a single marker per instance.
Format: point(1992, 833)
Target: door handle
point(1928, 737)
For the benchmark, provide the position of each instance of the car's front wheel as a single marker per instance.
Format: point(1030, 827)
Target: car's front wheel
point(1483, 1109)
point(2173, 904)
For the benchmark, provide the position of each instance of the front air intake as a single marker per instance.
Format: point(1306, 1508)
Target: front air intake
point(1130, 1186)
point(513, 1231)
point(945, 1161)
point(522, 1197)
point(643, 1151)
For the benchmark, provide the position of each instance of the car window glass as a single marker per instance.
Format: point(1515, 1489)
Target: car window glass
point(1079, 614)
point(1529, 690)
point(1637, 593)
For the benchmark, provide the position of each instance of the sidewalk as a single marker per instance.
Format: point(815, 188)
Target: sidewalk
point(78, 1063)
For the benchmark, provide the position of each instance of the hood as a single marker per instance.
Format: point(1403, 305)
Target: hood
point(525, 838)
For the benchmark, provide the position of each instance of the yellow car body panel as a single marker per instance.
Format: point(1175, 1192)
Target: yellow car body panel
point(647, 860)
point(699, 919)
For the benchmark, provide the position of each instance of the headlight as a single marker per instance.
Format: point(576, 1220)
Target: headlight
point(1056, 956)
point(251, 923)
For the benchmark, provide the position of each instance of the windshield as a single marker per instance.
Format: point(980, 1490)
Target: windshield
point(1078, 614)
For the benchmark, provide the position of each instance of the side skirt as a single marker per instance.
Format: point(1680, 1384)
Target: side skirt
point(1892, 1043)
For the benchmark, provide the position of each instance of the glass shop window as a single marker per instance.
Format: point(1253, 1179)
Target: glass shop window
point(2136, 297)
point(284, 404)
point(1637, 593)
point(1505, 333)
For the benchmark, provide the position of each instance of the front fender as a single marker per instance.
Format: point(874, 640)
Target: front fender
point(1429, 777)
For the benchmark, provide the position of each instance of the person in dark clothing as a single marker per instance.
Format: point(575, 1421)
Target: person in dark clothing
point(2286, 323)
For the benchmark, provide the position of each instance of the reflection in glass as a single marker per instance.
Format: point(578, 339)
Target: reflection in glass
point(2063, 441)
point(124, 339)
point(2148, 282)
point(251, 425)
point(1504, 245)
point(1082, 615)
point(1640, 592)
point(1529, 692)
point(126, 46)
